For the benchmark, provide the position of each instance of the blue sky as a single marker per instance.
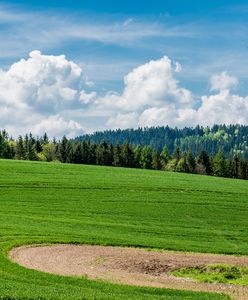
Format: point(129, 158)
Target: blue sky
point(109, 39)
point(205, 36)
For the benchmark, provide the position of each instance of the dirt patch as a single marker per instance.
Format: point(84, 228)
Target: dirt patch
point(126, 265)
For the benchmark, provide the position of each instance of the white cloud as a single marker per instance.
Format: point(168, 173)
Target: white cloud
point(57, 126)
point(223, 81)
point(44, 82)
point(149, 85)
point(153, 97)
point(50, 93)
point(223, 107)
point(87, 98)
point(123, 120)
point(38, 89)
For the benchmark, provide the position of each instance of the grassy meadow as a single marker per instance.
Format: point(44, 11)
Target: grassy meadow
point(59, 203)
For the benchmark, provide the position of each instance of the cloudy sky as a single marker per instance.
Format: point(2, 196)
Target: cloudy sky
point(74, 67)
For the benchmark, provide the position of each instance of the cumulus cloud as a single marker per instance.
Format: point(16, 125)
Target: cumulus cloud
point(46, 93)
point(149, 85)
point(57, 126)
point(223, 81)
point(223, 107)
point(153, 97)
point(87, 98)
point(40, 86)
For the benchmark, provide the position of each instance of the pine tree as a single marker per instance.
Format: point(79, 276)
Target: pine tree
point(127, 155)
point(165, 157)
point(177, 154)
point(146, 158)
point(102, 154)
point(31, 153)
point(242, 174)
point(156, 161)
point(234, 172)
point(45, 139)
point(38, 146)
point(63, 149)
point(205, 162)
point(117, 159)
point(191, 162)
point(77, 153)
point(220, 167)
point(69, 153)
point(20, 150)
point(137, 156)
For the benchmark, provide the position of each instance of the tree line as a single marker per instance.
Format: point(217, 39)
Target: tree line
point(33, 148)
point(233, 139)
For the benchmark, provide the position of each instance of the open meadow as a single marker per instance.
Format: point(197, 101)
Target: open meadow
point(80, 204)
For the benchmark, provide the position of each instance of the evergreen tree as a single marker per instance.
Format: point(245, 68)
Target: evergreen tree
point(127, 155)
point(191, 162)
point(20, 150)
point(77, 153)
point(242, 174)
point(220, 167)
point(31, 153)
point(86, 157)
point(156, 161)
point(205, 162)
point(69, 153)
point(45, 139)
point(234, 168)
point(177, 154)
point(165, 157)
point(146, 158)
point(5, 151)
point(38, 146)
point(137, 156)
point(63, 150)
point(117, 159)
point(103, 155)
point(92, 153)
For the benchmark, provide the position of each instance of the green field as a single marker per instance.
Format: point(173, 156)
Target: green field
point(216, 273)
point(44, 203)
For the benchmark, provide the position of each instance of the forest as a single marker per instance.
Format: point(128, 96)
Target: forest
point(232, 139)
point(86, 151)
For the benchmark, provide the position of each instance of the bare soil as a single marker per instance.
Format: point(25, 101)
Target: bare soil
point(131, 266)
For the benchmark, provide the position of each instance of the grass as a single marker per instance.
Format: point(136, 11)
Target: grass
point(57, 203)
point(216, 273)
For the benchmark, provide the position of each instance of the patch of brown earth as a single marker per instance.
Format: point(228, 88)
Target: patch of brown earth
point(131, 266)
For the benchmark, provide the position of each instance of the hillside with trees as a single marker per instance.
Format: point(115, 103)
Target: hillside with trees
point(232, 139)
point(124, 155)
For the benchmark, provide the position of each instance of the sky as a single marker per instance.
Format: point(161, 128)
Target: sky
point(75, 67)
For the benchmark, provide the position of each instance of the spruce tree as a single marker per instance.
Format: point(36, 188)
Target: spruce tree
point(156, 161)
point(20, 150)
point(146, 158)
point(220, 167)
point(205, 162)
point(77, 154)
point(165, 157)
point(63, 149)
point(191, 162)
point(137, 156)
point(117, 159)
point(127, 155)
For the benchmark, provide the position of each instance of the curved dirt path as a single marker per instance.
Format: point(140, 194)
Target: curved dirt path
point(131, 266)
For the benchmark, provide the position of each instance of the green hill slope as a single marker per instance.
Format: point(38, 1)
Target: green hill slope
point(43, 203)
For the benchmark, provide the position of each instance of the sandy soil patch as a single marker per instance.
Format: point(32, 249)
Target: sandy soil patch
point(131, 266)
